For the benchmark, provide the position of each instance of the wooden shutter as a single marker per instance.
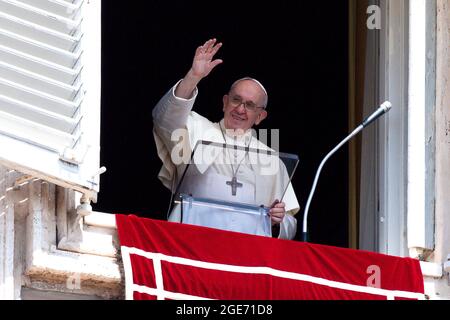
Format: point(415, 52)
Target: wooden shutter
point(50, 90)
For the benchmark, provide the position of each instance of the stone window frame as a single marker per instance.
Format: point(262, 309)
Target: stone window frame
point(47, 246)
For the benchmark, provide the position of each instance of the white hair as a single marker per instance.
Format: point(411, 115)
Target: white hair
point(266, 97)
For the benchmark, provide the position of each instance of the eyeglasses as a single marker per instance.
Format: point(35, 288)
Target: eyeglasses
point(236, 101)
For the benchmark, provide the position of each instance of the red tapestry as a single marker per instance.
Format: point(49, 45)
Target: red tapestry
point(165, 260)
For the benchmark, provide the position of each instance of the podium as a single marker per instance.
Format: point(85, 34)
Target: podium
point(231, 187)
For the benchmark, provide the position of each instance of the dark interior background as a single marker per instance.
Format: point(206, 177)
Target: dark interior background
point(297, 49)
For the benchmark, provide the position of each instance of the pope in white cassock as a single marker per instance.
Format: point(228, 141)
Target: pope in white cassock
point(177, 129)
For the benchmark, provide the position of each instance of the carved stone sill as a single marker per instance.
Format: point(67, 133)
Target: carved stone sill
point(84, 256)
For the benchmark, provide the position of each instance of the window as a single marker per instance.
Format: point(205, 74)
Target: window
point(397, 215)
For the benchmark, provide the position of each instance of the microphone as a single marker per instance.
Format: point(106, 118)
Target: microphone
point(385, 107)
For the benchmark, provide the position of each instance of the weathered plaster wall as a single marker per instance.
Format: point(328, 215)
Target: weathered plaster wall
point(442, 228)
point(443, 131)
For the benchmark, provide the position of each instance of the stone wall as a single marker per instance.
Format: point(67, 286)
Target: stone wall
point(48, 250)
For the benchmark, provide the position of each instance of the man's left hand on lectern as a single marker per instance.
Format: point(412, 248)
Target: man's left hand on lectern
point(277, 212)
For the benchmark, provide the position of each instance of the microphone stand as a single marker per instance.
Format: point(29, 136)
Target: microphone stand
point(385, 107)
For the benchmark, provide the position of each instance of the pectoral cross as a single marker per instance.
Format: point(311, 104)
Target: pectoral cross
point(234, 185)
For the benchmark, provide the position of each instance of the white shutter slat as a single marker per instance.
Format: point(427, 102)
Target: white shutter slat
point(50, 90)
point(34, 133)
point(75, 2)
point(39, 66)
point(39, 99)
point(38, 115)
point(41, 50)
point(63, 8)
point(38, 82)
point(42, 34)
point(39, 16)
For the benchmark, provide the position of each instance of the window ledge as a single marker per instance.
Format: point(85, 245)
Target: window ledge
point(447, 264)
point(74, 272)
point(101, 219)
point(431, 269)
point(64, 254)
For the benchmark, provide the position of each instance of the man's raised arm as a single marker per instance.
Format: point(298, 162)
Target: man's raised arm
point(172, 110)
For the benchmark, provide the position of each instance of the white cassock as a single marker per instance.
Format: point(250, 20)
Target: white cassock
point(259, 186)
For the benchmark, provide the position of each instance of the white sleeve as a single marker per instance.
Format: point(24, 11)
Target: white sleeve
point(288, 227)
point(171, 112)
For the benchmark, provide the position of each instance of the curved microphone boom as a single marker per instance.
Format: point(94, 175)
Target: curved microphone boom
point(385, 107)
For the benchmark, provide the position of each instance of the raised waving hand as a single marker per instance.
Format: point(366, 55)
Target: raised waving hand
point(203, 60)
point(202, 65)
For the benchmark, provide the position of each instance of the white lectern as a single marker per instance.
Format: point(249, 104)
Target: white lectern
point(232, 187)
